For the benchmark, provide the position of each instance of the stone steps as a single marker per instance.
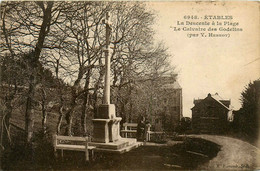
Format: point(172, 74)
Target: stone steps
point(122, 150)
point(123, 142)
point(120, 146)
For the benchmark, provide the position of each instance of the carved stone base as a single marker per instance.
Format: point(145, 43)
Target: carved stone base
point(114, 129)
point(106, 124)
point(101, 130)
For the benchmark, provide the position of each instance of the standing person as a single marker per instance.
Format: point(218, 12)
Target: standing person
point(147, 124)
point(140, 128)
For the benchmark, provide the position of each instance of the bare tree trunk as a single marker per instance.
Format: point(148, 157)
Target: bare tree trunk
point(84, 115)
point(34, 59)
point(44, 113)
point(85, 103)
point(131, 104)
point(69, 120)
point(61, 114)
point(44, 120)
point(122, 111)
point(6, 141)
point(59, 120)
point(69, 113)
point(74, 94)
point(60, 98)
point(130, 112)
point(29, 120)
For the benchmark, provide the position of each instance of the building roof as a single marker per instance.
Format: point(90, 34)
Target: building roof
point(220, 100)
point(217, 97)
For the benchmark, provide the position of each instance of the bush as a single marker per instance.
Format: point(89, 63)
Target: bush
point(43, 152)
point(19, 152)
point(29, 156)
point(159, 138)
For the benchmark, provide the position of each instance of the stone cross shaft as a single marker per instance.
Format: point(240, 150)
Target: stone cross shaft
point(106, 125)
point(107, 61)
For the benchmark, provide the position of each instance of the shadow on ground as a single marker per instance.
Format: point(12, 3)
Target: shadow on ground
point(190, 154)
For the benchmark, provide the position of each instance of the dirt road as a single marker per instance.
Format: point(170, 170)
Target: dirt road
point(235, 154)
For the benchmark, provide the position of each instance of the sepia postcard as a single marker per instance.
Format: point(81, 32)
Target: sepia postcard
point(129, 85)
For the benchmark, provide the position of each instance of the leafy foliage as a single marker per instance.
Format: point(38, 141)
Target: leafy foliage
point(249, 119)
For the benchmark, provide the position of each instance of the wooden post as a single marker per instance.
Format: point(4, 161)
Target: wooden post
point(126, 132)
point(148, 132)
point(86, 149)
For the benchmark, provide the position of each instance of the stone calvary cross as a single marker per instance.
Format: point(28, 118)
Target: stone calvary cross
point(106, 124)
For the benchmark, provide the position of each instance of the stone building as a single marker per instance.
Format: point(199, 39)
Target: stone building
point(211, 115)
point(170, 101)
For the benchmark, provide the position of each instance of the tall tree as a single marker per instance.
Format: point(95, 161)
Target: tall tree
point(250, 99)
point(68, 39)
point(26, 26)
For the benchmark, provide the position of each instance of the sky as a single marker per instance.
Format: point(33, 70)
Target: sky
point(211, 64)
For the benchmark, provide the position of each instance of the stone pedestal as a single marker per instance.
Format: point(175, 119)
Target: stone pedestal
point(106, 111)
point(106, 125)
point(101, 130)
point(114, 129)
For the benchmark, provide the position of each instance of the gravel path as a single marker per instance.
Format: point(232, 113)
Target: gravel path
point(235, 154)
